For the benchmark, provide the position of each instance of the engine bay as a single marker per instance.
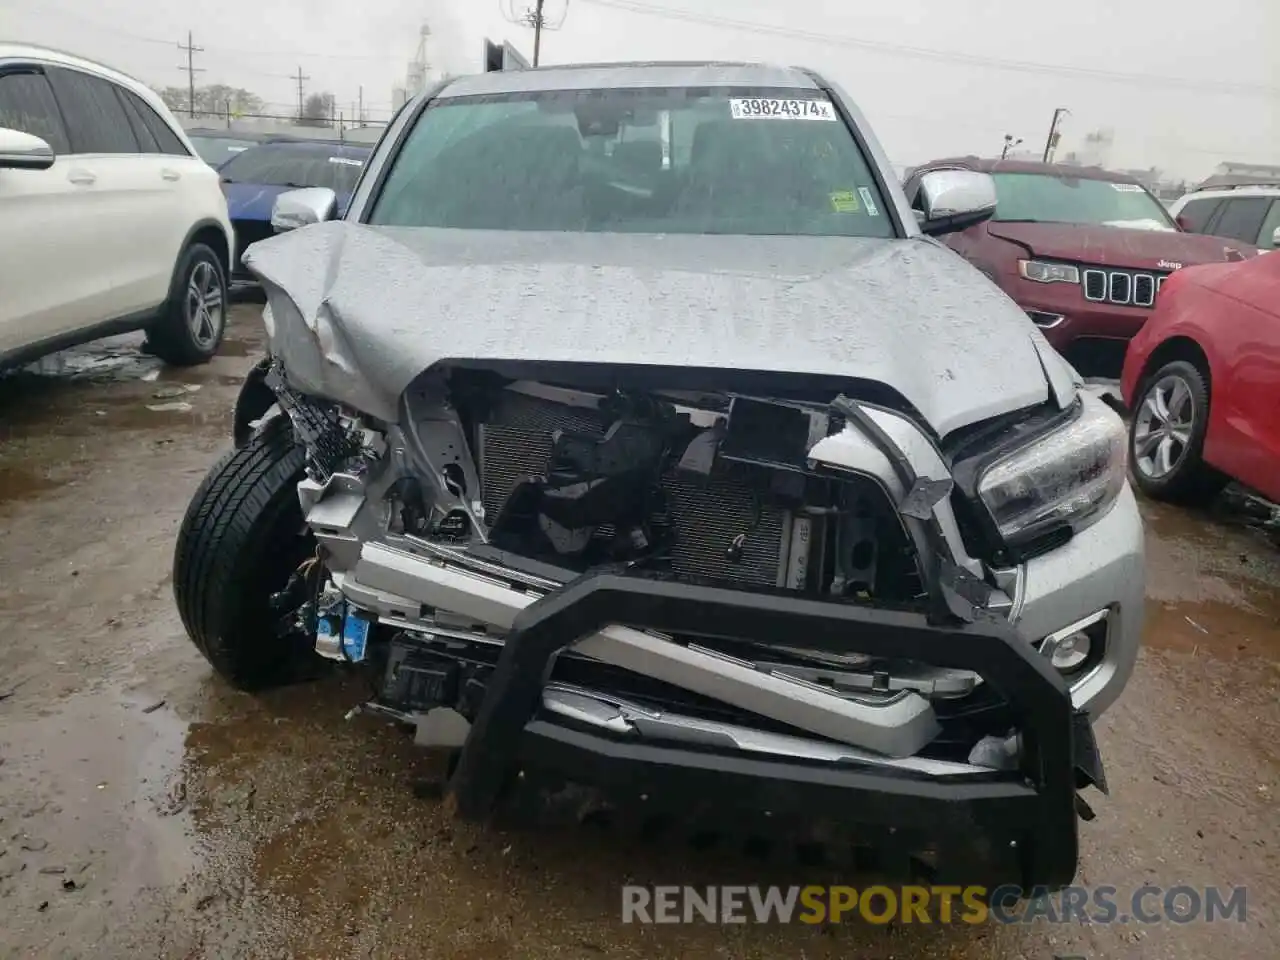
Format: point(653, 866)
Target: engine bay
point(708, 486)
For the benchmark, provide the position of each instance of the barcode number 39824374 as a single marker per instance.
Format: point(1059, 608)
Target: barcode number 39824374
point(752, 108)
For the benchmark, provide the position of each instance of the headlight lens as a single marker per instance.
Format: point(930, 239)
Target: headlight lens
point(1069, 476)
point(1041, 271)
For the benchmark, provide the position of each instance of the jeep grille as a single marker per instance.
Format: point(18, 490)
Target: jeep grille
point(1125, 287)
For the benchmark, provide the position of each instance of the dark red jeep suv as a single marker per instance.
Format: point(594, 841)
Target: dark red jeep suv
point(1083, 250)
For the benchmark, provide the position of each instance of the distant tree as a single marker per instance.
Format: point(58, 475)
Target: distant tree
point(219, 98)
point(216, 99)
point(317, 110)
point(175, 98)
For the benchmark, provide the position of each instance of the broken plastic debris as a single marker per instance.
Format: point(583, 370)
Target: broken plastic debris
point(179, 406)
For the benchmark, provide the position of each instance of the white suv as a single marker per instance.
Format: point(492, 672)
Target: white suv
point(109, 221)
point(1250, 213)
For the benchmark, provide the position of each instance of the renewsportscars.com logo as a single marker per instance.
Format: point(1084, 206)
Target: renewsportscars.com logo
point(880, 904)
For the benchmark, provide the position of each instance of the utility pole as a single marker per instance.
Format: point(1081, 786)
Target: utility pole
point(536, 16)
point(1009, 143)
point(1051, 140)
point(300, 78)
point(537, 30)
point(191, 70)
point(360, 111)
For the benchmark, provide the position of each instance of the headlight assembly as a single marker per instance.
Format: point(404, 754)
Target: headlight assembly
point(1041, 271)
point(1067, 477)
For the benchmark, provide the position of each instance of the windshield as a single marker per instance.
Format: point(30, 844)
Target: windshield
point(215, 151)
point(297, 165)
point(654, 160)
point(1050, 199)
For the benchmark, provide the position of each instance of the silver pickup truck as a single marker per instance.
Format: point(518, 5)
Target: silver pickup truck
point(630, 431)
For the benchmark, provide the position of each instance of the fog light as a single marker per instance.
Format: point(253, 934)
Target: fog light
point(1071, 651)
point(1079, 645)
point(1044, 320)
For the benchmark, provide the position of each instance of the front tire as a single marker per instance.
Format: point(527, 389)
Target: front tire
point(242, 537)
point(195, 316)
point(1166, 436)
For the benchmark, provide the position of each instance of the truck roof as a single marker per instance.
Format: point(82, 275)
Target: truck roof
point(586, 76)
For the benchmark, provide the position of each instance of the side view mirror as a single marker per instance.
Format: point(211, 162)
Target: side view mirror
point(1275, 238)
point(24, 151)
point(300, 208)
point(952, 200)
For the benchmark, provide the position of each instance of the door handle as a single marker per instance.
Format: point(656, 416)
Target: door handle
point(82, 177)
point(170, 174)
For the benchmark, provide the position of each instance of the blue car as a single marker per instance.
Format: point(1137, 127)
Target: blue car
point(253, 178)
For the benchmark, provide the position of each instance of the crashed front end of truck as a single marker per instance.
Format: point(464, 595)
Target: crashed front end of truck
point(696, 591)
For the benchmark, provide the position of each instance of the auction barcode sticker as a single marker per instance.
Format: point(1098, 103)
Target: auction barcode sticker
point(760, 108)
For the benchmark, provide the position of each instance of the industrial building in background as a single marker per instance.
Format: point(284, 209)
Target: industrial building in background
point(502, 56)
point(424, 69)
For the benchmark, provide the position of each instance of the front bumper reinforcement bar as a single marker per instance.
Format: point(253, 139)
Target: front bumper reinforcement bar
point(1031, 810)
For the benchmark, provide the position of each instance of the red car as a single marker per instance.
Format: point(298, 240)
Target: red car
point(1202, 379)
point(1083, 250)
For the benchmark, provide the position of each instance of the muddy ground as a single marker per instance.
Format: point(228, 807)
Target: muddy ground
point(148, 811)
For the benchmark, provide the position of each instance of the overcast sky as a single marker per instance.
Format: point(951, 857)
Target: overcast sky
point(1182, 83)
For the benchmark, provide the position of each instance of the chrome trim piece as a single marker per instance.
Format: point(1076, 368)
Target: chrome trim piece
point(1078, 684)
point(1144, 289)
point(1134, 288)
point(461, 557)
point(899, 725)
point(619, 716)
point(924, 679)
point(1044, 320)
point(1124, 282)
point(1050, 643)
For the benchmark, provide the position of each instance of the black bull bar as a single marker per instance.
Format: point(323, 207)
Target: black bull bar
point(1031, 810)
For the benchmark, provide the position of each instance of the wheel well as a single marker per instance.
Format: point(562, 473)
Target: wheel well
point(255, 399)
point(216, 240)
point(1177, 348)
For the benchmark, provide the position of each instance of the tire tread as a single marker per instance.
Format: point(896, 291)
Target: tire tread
point(233, 551)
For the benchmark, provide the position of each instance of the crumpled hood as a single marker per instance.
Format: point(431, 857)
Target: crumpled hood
point(1137, 248)
point(355, 313)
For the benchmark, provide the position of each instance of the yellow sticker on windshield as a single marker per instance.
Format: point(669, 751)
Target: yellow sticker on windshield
point(844, 201)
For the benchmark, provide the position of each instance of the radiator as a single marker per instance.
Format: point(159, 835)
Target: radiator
point(705, 514)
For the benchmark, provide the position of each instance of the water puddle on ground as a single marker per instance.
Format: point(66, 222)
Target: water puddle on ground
point(1213, 587)
point(89, 819)
point(18, 482)
point(1213, 628)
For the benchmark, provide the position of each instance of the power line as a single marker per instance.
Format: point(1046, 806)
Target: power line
point(45, 8)
point(1025, 66)
point(192, 70)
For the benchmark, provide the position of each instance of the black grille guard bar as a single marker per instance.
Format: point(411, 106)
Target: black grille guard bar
point(1042, 794)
